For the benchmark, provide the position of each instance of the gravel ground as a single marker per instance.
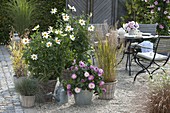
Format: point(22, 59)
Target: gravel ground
point(129, 98)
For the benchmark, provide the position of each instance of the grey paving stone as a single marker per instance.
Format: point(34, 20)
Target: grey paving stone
point(4, 88)
point(2, 56)
point(11, 87)
point(19, 111)
point(10, 111)
point(18, 107)
point(10, 107)
point(4, 63)
point(5, 70)
point(2, 107)
point(2, 111)
point(17, 103)
point(7, 74)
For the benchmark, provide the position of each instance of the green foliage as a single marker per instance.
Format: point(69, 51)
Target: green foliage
point(35, 11)
point(81, 45)
point(50, 60)
point(22, 13)
point(27, 87)
point(161, 15)
point(137, 11)
point(45, 19)
point(4, 24)
point(19, 65)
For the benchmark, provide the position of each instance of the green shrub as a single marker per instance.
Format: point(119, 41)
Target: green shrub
point(45, 19)
point(160, 12)
point(4, 24)
point(137, 11)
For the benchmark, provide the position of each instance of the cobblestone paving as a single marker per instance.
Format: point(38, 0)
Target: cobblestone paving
point(9, 99)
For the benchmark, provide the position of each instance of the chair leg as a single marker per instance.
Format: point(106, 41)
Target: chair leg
point(142, 66)
point(159, 67)
point(121, 59)
point(155, 70)
point(137, 75)
point(127, 61)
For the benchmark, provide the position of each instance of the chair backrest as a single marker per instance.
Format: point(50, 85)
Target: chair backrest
point(148, 28)
point(100, 30)
point(163, 45)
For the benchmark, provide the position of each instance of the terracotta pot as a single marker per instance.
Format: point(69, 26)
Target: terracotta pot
point(83, 98)
point(27, 101)
point(110, 89)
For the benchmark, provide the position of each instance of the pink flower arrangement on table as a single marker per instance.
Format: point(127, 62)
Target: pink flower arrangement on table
point(84, 77)
point(131, 25)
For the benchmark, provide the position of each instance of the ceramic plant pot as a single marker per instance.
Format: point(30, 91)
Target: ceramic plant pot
point(83, 98)
point(27, 101)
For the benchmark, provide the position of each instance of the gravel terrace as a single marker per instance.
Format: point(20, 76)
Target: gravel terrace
point(129, 97)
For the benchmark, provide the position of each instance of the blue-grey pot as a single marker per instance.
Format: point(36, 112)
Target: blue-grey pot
point(83, 98)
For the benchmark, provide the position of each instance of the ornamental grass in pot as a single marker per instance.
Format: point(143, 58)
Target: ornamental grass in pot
point(27, 88)
point(18, 63)
point(106, 52)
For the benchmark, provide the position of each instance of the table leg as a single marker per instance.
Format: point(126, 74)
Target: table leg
point(129, 65)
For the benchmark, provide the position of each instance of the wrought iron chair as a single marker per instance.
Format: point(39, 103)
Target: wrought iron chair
point(148, 28)
point(159, 57)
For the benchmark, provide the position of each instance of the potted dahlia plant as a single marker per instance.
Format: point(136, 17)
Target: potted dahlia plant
point(84, 81)
point(131, 27)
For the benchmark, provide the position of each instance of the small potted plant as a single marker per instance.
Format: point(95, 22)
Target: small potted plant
point(27, 88)
point(131, 27)
point(84, 81)
point(106, 52)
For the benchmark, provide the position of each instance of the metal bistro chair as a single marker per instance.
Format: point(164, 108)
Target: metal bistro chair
point(148, 28)
point(159, 57)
